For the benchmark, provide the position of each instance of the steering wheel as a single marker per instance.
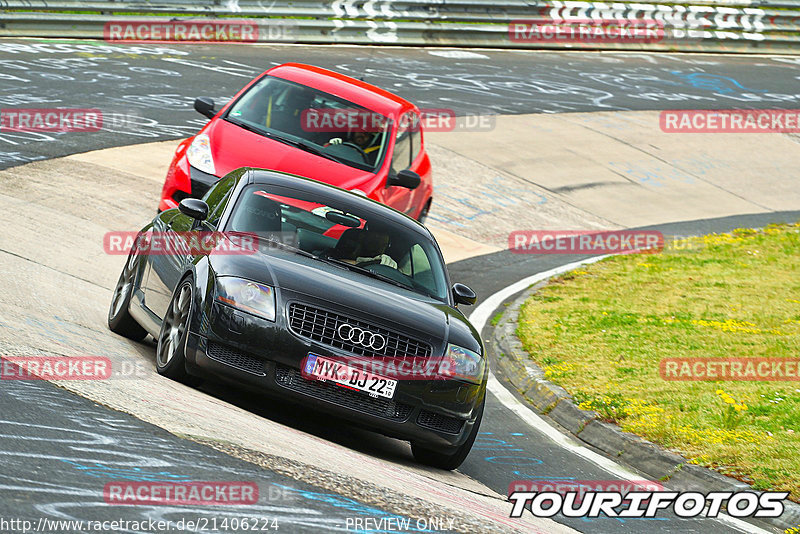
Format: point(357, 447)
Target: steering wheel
point(368, 263)
point(358, 149)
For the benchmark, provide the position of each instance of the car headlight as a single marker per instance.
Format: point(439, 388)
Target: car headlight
point(462, 364)
point(247, 296)
point(199, 154)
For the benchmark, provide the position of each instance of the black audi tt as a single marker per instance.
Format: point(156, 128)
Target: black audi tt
point(317, 295)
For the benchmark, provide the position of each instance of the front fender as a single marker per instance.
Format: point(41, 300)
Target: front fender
point(203, 294)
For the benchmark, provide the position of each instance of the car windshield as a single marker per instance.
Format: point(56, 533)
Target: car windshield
point(352, 235)
point(314, 121)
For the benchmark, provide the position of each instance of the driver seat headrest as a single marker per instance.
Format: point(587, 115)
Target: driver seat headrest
point(260, 214)
point(349, 244)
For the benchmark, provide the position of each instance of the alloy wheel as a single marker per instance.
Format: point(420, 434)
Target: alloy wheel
point(175, 321)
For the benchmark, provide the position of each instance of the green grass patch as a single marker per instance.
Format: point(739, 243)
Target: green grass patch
point(601, 331)
point(496, 319)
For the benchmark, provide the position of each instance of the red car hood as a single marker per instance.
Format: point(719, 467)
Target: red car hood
point(233, 147)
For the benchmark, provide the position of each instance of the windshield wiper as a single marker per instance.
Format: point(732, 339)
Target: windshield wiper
point(371, 274)
point(297, 144)
point(305, 253)
point(261, 131)
point(385, 278)
point(349, 266)
point(247, 126)
point(284, 246)
point(312, 149)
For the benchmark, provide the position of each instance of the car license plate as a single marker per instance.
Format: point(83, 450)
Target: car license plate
point(342, 374)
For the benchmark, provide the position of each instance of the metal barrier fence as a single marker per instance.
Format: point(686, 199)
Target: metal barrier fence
point(727, 25)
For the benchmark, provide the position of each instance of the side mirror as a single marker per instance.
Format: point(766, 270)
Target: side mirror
point(464, 295)
point(406, 178)
point(194, 208)
point(205, 106)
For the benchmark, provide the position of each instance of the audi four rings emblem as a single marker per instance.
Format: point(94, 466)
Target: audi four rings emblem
point(361, 337)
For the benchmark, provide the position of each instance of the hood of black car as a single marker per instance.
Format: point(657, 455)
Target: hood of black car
point(301, 279)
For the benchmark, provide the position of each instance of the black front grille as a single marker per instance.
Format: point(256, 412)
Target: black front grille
point(199, 189)
point(442, 423)
point(200, 182)
point(321, 326)
point(348, 398)
point(179, 195)
point(235, 358)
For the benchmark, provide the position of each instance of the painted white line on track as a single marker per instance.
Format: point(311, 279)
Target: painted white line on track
point(480, 315)
point(479, 318)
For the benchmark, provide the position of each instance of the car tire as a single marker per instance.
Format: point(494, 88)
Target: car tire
point(120, 320)
point(451, 460)
point(424, 213)
point(171, 348)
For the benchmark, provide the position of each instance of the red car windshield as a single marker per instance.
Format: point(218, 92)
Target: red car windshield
point(314, 121)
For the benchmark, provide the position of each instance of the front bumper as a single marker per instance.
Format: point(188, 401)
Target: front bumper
point(267, 356)
point(184, 181)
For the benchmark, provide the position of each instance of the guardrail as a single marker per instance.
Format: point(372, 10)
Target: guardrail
point(704, 25)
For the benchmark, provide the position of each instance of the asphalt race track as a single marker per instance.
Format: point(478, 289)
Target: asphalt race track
point(146, 91)
point(146, 94)
point(73, 442)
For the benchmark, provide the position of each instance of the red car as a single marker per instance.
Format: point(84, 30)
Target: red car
point(311, 122)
